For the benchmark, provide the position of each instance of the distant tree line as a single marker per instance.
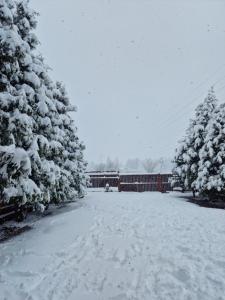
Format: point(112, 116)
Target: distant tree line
point(148, 165)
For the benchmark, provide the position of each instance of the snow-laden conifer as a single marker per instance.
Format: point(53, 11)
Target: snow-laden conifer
point(16, 122)
point(36, 135)
point(71, 159)
point(56, 181)
point(211, 174)
point(187, 155)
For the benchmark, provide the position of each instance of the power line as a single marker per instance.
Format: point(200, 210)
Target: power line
point(168, 144)
point(196, 88)
point(221, 88)
point(183, 111)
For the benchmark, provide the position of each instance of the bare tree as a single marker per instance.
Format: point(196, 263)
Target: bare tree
point(150, 165)
point(108, 165)
point(133, 164)
point(100, 167)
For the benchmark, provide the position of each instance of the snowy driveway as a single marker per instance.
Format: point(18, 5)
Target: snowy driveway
point(119, 246)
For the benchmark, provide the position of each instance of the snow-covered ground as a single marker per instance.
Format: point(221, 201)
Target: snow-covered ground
point(119, 246)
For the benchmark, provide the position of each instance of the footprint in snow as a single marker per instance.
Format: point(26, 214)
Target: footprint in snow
point(182, 275)
point(121, 256)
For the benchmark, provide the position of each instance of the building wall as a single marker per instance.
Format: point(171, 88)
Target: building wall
point(132, 182)
point(100, 182)
point(145, 182)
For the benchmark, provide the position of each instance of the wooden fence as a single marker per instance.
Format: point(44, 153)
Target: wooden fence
point(10, 212)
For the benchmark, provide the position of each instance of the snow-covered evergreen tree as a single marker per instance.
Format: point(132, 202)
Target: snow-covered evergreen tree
point(37, 85)
point(187, 155)
point(36, 137)
point(211, 174)
point(16, 122)
point(71, 160)
point(51, 131)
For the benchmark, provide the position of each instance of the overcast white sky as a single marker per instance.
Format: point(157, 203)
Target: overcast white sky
point(135, 68)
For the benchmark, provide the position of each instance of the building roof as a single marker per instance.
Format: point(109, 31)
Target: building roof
point(124, 174)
